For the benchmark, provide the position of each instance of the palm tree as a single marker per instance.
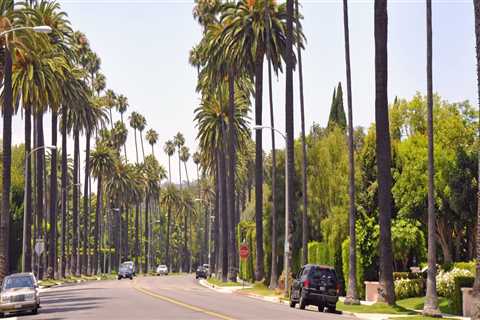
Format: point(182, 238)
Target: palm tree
point(111, 101)
point(152, 138)
point(289, 62)
point(100, 83)
point(184, 157)
point(169, 149)
point(169, 198)
point(352, 295)
point(122, 106)
point(142, 123)
point(6, 8)
point(179, 141)
point(134, 123)
point(431, 305)
point(476, 5)
point(102, 162)
point(383, 153)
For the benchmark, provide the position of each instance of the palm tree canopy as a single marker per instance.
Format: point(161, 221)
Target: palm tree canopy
point(169, 148)
point(152, 137)
point(122, 104)
point(179, 140)
point(102, 161)
point(184, 153)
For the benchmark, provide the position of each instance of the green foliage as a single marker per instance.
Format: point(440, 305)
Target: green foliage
point(456, 298)
point(470, 266)
point(337, 111)
point(407, 240)
point(408, 288)
point(346, 267)
point(446, 281)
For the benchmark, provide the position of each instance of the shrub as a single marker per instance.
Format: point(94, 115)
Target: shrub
point(470, 266)
point(446, 281)
point(409, 288)
point(456, 300)
point(346, 268)
point(406, 275)
point(312, 252)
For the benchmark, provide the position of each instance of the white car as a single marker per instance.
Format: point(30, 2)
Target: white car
point(162, 270)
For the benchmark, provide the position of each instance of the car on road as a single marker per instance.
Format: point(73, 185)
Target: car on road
point(126, 270)
point(162, 270)
point(201, 272)
point(315, 285)
point(19, 292)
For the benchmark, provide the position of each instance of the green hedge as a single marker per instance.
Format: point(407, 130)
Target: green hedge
point(318, 254)
point(457, 300)
point(346, 268)
point(409, 288)
point(406, 275)
point(470, 266)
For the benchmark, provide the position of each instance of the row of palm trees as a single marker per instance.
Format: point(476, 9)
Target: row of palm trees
point(237, 36)
point(59, 74)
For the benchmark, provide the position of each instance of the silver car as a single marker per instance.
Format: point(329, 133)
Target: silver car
point(19, 293)
point(162, 270)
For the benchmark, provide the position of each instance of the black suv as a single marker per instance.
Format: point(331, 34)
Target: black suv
point(315, 285)
point(202, 272)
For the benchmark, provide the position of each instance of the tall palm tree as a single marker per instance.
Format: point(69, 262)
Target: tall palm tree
point(476, 5)
point(383, 152)
point(352, 295)
point(179, 141)
point(134, 123)
point(142, 123)
point(169, 149)
point(102, 162)
point(111, 102)
point(431, 305)
point(100, 83)
point(6, 8)
point(169, 198)
point(184, 157)
point(122, 106)
point(289, 62)
point(152, 138)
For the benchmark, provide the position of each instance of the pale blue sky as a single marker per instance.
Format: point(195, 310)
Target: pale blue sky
point(144, 48)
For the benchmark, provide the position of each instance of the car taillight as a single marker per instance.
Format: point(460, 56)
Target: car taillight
point(306, 283)
point(338, 288)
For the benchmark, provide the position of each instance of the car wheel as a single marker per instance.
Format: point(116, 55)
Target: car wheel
point(321, 308)
point(1, 315)
point(119, 278)
point(131, 277)
point(302, 302)
point(292, 304)
point(35, 311)
point(332, 309)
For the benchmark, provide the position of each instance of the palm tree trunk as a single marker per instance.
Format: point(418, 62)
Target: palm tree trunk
point(352, 295)
point(124, 145)
point(476, 285)
point(383, 153)
point(230, 187)
point(169, 171)
point(111, 119)
point(40, 184)
point(6, 168)
point(274, 266)
point(216, 231)
point(259, 270)
point(53, 199)
point(137, 239)
point(98, 211)
point(431, 304)
point(141, 141)
point(146, 234)
point(86, 204)
point(75, 225)
point(179, 169)
point(304, 145)
point(167, 242)
point(27, 262)
point(289, 130)
point(186, 173)
point(223, 215)
point(64, 191)
point(136, 147)
point(127, 232)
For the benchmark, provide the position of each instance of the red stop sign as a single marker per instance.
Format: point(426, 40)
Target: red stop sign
point(244, 251)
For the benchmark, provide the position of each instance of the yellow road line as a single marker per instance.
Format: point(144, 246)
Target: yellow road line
point(182, 304)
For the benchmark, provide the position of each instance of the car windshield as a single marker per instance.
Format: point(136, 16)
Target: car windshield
point(126, 266)
point(18, 282)
point(323, 273)
point(162, 266)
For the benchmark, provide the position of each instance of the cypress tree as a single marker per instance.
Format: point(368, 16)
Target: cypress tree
point(332, 119)
point(341, 118)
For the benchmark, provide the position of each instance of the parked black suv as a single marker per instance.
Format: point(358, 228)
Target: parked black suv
point(201, 272)
point(315, 285)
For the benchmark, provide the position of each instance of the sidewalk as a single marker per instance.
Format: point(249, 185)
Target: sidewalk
point(276, 299)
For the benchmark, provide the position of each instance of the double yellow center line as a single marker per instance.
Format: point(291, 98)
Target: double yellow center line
point(182, 304)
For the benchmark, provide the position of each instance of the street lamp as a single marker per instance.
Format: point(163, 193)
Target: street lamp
point(25, 226)
point(209, 231)
point(286, 243)
point(37, 29)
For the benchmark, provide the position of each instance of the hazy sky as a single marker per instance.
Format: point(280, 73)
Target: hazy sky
point(144, 48)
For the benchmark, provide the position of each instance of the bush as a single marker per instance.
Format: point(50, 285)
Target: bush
point(470, 266)
point(406, 275)
point(446, 281)
point(346, 268)
point(409, 288)
point(456, 300)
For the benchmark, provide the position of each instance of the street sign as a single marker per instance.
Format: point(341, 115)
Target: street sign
point(244, 251)
point(39, 246)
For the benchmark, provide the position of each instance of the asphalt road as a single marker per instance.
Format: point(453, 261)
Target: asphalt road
point(170, 297)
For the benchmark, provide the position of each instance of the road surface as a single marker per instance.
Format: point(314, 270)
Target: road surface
point(170, 297)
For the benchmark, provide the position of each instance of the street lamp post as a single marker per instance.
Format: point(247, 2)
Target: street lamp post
point(287, 214)
point(25, 222)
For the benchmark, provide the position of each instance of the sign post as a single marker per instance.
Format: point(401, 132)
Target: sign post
point(244, 253)
point(39, 248)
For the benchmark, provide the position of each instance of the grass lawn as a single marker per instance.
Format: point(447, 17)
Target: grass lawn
point(375, 308)
point(219, 283)
point(419, 317)
point(417, 304)
point(262, 290)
